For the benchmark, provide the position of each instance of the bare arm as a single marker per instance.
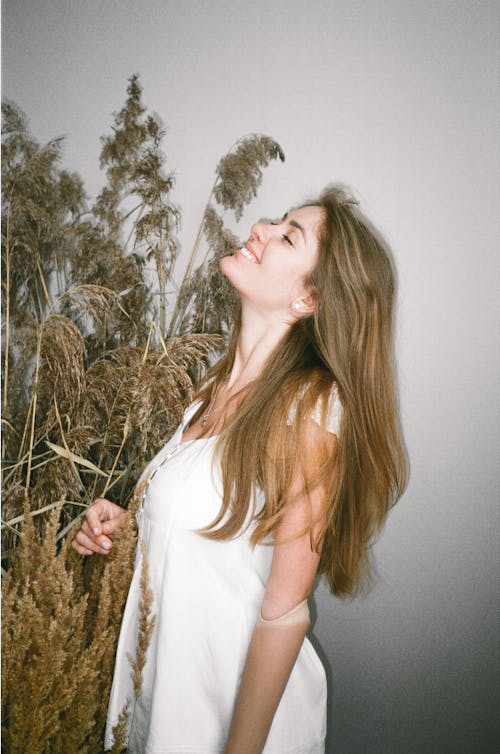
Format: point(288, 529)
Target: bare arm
point(276, 640)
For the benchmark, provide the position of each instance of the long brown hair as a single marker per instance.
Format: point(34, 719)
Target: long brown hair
point(346, 343)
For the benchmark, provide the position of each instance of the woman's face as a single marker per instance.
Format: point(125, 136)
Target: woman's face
point(270, 270)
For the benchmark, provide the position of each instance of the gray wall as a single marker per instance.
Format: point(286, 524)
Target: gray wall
point(398, 99)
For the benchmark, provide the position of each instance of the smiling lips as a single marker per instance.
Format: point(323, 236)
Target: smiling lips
point(249, 255)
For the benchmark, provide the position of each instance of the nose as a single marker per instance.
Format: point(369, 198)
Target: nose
point(260, 232)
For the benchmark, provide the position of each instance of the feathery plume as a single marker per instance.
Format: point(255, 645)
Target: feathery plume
point(95, 380)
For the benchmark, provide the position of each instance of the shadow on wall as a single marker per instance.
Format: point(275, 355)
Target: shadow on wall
point(420, 690)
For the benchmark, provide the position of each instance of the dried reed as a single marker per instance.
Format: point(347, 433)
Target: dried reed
point(58, 640)
point(95, 380)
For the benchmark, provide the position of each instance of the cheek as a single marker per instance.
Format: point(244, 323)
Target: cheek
point(283, 286)
point(291, 277)
point(277, 280)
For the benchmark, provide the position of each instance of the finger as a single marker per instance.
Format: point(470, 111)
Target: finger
point(95, 515)
point(79, 549)
point(86, 542)
point(111, 526)
point(82, 550)
point(107, 528)
point(86, 528)
point(100, 540)
point(102, 544)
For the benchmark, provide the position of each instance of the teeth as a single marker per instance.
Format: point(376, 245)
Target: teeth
point(248, 254)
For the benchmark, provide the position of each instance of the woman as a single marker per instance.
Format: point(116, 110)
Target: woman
point(284, 467)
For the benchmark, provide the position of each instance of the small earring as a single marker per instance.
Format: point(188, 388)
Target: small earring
point(296, 306)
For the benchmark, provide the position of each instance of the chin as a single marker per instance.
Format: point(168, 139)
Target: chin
point(236, 271)
point(226, 265)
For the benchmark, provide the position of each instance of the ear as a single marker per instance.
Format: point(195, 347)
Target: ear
point(303, 307)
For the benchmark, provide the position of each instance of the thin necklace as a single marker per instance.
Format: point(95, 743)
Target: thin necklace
point(207, 413)
point(210, 409)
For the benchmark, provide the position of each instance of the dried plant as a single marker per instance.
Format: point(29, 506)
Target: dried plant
point(95, 380)
point(239, 173)
point(120, 733)
point(58, 642)
point(134, 166)
point(146, 624)
point(205, 300)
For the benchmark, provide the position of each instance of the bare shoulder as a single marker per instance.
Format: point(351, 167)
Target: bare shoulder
point(325, 411)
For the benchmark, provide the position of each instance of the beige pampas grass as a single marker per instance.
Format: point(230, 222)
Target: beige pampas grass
point(145, 629)
point(96, 377)
point(58, 640)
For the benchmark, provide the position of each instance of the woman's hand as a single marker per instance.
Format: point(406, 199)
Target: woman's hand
point(102, 519)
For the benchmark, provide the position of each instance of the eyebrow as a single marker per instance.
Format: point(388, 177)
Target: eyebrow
point(297, 225)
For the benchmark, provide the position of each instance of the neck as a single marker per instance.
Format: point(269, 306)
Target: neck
point(259, 335)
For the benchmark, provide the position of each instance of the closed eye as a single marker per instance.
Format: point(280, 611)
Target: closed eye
point(284, 236)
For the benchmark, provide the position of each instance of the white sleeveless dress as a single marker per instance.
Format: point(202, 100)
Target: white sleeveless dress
point(207, 598)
